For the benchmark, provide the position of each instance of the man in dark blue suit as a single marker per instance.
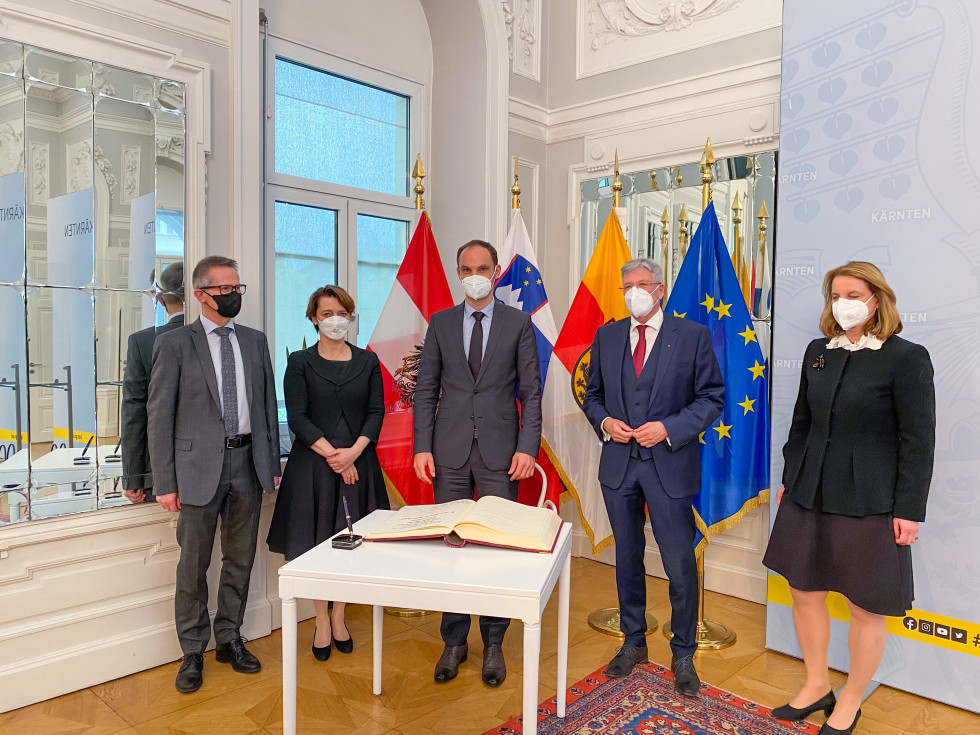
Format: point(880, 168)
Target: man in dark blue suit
point(654, 386)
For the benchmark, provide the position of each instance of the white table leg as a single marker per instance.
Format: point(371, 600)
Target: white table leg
point(564, 585)
point(532, 655)
point(377, 636)
point(289, 666)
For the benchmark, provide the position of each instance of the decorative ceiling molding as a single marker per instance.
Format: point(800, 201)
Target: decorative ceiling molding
point(615, 34)
point(522, 20)
point(205, 20)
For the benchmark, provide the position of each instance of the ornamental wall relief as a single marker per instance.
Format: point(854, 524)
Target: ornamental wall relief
point(613, 34)
point(522, 19)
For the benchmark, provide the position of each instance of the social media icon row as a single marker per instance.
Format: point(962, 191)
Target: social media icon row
point(940, 630)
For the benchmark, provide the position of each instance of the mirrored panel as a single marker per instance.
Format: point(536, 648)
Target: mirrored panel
point(661, 210)
point(14, 373)
point(91, 269)
point(125, 202)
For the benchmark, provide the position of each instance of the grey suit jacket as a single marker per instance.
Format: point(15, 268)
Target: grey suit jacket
point(185, 428)
point(444, 425)
point(136, 383)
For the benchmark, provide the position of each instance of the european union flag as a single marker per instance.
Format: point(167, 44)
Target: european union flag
point(735, 449)
point(521, 286)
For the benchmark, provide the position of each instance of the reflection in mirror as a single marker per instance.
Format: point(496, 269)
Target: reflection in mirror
point(124, 197)
point(14, 439)
point(663, 209)
point(91, 216)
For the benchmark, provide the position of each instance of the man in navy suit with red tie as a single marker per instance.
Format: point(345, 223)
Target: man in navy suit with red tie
point(654, 386)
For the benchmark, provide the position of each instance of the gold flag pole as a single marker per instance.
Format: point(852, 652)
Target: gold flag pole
point(710, 635)
point(683, 236)
point(606, 620)
point(665, 242)
point(515, 190)
point(738, 259)
point(418, 173)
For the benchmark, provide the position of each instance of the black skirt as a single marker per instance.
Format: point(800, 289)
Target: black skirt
point(855, 556)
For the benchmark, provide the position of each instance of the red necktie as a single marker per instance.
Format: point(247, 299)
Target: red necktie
point(641, 349)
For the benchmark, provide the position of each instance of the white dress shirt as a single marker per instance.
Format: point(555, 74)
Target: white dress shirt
point(214, 344)
point(652, 332)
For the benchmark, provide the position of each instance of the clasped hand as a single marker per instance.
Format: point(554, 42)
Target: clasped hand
point(342, 461)
point(649, 434)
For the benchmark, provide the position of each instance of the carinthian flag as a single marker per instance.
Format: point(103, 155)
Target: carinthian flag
point(420, 289)
point(521, 286)
point(735, 449)
point(567, 435)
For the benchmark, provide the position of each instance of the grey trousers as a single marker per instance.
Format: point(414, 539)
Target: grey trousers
point(456, 484)
point(237, 502)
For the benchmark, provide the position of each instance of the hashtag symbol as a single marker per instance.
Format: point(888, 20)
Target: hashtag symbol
point(976, 640)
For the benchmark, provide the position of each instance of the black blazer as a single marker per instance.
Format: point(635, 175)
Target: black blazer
point(315, 402)
point(863, 431)
point(136, 382)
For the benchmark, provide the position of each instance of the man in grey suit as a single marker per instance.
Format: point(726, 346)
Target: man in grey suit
point(481, 355)
point(214, 449)
point(137, 478)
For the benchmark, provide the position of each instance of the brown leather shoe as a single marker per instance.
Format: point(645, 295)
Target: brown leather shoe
point(448, 665)
point(494, 668)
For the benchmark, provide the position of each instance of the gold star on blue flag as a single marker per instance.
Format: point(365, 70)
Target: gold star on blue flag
point(735, 455)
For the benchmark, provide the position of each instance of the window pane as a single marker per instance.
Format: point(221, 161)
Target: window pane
point(306, 258)
point(339, 131)
point(381, 245)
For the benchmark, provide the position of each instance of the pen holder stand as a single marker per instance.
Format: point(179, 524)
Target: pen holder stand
point(345, 541)
point(109, 458)
point(81, 461)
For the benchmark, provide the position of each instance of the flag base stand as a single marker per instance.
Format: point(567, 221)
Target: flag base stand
point(606, 621)
point(406, 612)
point(710, 636)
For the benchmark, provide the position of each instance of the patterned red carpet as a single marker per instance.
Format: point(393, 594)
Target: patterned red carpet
point(644, 703)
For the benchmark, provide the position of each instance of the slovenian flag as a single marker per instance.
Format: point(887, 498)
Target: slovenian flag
point(521, 286)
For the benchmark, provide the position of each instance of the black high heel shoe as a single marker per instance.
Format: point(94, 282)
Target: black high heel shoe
point(345, 646)
point(320, 653)
point(828, 730)
point(826, 703)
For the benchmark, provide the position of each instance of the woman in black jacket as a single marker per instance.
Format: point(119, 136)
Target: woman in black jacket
point(857, 468)
point(335, 404)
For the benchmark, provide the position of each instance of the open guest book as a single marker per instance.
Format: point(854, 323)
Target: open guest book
point(489, 520)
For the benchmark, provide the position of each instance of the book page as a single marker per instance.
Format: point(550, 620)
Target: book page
point(505, 518)
point(431, 519)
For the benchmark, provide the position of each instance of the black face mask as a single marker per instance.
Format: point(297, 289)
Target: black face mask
point(229, 304)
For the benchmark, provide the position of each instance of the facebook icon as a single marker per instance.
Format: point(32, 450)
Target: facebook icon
point(910, 623)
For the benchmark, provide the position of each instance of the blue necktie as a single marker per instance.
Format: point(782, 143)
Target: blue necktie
point(229, 383)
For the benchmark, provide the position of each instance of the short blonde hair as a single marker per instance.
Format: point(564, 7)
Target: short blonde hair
point(884, 322)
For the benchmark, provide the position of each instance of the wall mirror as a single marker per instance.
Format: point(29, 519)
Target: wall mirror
point(663, 209)
point(91, 255)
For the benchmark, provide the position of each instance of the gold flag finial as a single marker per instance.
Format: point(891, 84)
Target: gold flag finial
point(707, 161)
point(617, 185)
point(418, 173)
point(763, 212)
point(653, 181)
point(762, 216)
point(683, 233)
point(515, 190)
point(665, 240)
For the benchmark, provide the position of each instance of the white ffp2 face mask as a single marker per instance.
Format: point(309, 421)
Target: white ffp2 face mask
point(639, 302)
point(334, 327)
point(477, 287)
point(849, 313)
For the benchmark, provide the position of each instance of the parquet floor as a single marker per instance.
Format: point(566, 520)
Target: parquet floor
point(335, 697)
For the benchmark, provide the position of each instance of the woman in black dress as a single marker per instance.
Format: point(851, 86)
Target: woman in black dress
point(857, 468)
point(335, 404)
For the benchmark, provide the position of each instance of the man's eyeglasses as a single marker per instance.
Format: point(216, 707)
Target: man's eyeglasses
point(645, 285)
point(225, 289)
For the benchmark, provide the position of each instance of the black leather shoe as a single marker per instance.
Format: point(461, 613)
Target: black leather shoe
point(494, 668)
point(448, 665)
point(320, 653)
point(686, 679)
point(235, 653)
point(828, 730)
point(625, 659)
point(191, 674)
point(344, 646)
point(786, 712)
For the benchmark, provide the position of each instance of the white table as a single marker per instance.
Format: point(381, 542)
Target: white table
point(430, 575)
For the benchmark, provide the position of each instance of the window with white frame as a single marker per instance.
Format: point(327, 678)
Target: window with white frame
point(339, 145)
